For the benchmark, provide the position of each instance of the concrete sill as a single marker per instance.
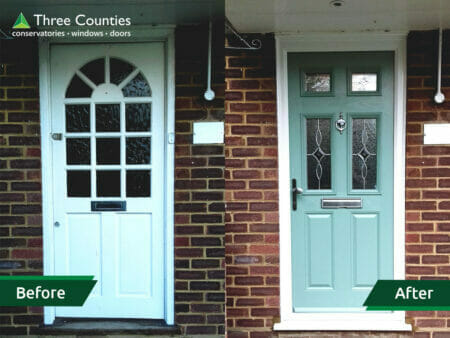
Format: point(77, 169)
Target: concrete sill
point(107, 326)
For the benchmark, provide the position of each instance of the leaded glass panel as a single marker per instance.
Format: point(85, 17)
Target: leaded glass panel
point(364, 154)
point(318, 153)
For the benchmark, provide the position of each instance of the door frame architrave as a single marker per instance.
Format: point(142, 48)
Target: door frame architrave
point(339, 42)
point(142, 33)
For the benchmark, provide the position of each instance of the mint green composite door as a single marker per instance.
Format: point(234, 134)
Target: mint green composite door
point(341, 164)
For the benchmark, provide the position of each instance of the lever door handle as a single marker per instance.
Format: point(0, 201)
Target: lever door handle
point(295, 191)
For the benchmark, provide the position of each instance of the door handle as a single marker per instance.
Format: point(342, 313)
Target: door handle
point(295, 191)
point(57, 136)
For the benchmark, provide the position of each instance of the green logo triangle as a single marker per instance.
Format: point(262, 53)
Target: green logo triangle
point(21, 22)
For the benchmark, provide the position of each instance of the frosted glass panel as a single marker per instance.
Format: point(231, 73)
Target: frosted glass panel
point(138, 150)
point(137, 87)
point(107, 117)
point(364, 82)
point(78, 150)
point(138, 116)
point(77, 118)
point(317, 82)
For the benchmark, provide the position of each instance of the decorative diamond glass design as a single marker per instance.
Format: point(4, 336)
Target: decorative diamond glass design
point(108, 150)
point(138, 150)
point(95, 71)
point(107, 117)
point(78, 183)
point(108, 183)
point(318, 153)
point(364, 154)
point(317, 82)
point(138, 183)
point(137, 87)
point(78, 150)
point(364, 82)
point(137, 116)
point(77, 118)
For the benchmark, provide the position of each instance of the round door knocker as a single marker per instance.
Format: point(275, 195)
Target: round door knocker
point(341, 124)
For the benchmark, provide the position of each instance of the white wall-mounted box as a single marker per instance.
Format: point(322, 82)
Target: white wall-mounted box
point(208, 132)
point(436, 133)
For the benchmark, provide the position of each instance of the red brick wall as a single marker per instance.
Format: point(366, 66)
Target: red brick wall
point(427, 176)
point(199, 189)
point(20, 183)
point(251, 189)
point(251, 242)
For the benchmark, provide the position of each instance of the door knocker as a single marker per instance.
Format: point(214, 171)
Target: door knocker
point(341, 124)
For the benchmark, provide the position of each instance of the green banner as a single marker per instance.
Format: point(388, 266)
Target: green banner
point(45, 290)
point(411, 295)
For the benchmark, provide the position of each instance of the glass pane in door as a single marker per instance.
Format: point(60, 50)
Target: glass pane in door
point(364, 154)
point(318, 153)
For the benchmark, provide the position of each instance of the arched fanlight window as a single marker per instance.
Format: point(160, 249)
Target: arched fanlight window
point(99, 73)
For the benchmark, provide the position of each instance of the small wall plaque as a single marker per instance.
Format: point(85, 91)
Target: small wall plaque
point(208, 132)
point(437, 133)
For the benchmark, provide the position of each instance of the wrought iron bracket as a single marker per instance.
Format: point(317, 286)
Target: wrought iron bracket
point(254, 44)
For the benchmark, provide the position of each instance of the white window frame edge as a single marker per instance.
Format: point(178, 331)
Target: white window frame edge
point(143, 33)
point(340, 42)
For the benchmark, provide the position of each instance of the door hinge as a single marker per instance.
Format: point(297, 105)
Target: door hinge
point(56, 136)
point(171, 138)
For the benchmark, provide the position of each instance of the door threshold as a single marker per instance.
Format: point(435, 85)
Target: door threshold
point(107, 326)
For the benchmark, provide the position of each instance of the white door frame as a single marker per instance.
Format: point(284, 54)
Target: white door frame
point(139, 34)
point(340, 42)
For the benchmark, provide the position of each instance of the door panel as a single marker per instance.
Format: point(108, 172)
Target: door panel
point(365, 251)
point(320, 262)
point(339, 253)
point(108, 104)
point(134, 231)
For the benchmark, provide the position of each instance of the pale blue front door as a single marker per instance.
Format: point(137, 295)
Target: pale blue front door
point(341, 155)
